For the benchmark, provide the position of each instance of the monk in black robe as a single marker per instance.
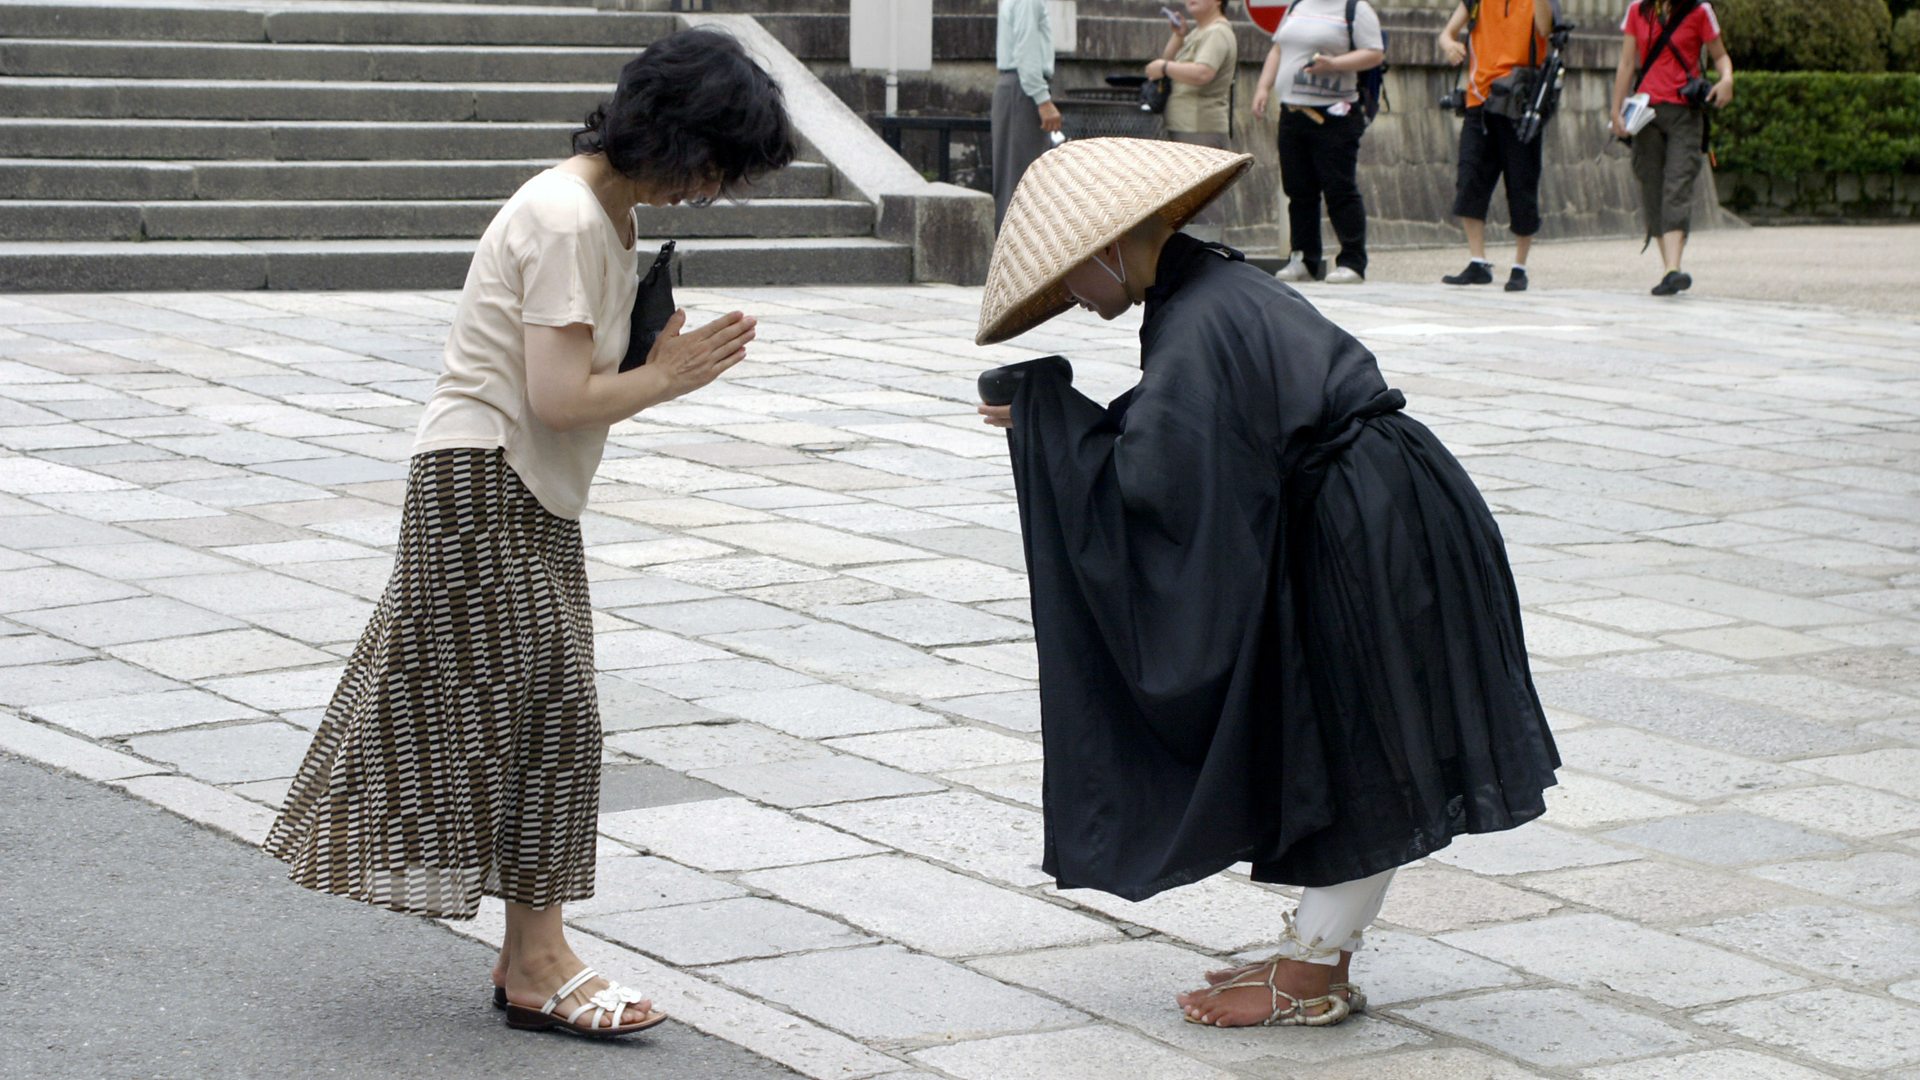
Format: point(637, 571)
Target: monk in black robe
point(1274, 617)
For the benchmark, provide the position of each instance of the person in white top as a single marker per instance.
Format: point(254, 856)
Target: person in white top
point(460, 755)
point(1314, 68)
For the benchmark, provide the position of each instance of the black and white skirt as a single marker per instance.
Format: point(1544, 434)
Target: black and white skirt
point(460, 755)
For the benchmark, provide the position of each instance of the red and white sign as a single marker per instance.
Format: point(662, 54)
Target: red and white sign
point(1267, 13)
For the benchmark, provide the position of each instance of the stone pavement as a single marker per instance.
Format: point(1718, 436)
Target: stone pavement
point(820, 814)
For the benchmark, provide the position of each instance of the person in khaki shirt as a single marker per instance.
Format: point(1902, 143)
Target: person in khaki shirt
point(1202, 58)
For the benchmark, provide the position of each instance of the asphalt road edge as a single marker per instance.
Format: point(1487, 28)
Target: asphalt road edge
point(784, 1037)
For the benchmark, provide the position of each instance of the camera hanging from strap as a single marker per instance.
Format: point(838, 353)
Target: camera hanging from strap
point(1675, 16)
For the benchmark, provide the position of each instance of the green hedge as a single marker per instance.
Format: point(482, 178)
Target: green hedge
point(1791, 122)
point(1801, 35)
point(1905, 50)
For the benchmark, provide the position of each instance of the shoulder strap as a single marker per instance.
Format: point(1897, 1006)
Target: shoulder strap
point(1681, 9)
point(1533, 37)
point(1353, 6)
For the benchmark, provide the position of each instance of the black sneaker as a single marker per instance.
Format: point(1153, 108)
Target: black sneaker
point(1517, 281)
point(1476, 273)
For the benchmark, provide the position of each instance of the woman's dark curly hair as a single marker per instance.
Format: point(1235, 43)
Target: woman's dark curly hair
point(693, 108)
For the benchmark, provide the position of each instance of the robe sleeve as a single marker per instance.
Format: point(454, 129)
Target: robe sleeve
point(1154, 520)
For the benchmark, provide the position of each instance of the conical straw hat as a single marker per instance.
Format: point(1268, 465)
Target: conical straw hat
point(1080, 197)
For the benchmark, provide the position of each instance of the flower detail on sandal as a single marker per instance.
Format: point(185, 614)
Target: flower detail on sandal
point(611, 1003)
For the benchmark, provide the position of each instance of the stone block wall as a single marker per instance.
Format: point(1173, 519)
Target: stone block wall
point(1825, 196)
point(1408, 158)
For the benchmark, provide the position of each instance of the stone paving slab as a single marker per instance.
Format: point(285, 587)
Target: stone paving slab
point(821, 837)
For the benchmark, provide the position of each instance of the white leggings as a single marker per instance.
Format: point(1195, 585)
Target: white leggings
point(1329, 920)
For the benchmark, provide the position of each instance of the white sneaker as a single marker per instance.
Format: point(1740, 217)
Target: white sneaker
point(1345, 275)
point(1295, 270)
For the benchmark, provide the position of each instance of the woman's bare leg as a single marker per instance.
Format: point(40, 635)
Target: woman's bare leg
point(539, 962)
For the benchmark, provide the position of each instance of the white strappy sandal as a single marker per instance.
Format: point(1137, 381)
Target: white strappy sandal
point(608, 1005)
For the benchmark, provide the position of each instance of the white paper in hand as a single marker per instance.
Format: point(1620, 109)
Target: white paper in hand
point(1636, 113)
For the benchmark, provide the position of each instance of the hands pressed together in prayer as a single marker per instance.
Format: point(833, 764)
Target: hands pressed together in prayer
point(690, 359)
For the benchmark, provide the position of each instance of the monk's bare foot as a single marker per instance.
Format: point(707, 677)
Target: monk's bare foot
point(1250, 1003)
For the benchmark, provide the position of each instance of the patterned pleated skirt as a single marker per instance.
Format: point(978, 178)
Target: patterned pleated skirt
point(460, 755)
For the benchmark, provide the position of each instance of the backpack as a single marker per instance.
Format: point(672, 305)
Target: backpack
point(1373, 81)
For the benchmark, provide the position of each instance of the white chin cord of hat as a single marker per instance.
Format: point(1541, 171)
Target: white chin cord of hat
point(1119, 276)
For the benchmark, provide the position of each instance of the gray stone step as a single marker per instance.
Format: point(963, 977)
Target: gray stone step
point(53, 178)
point(397, 220)
point(321, 144)
point(66, 178)
point(280, 140)
point(289, 140)
point(420, 264)
point(357, 63)
point(587, 4)
point(197, 99)
point(339, 23)
point(853, 260)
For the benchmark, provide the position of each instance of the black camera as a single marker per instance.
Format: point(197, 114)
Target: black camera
point(1695, 92)
point(1454, 101)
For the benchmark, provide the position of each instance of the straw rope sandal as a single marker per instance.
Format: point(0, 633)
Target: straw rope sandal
point(1286, 1010)
point(608, 1004)
point(1354, 996)
point(1293, 948)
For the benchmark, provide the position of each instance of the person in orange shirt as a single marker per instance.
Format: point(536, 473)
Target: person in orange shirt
point(1502, 35)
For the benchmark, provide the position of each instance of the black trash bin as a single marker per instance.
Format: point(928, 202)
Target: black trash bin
point(1113, 110)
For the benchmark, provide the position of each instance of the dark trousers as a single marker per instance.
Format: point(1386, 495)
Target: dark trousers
point(1667, 162)
point(1321, 161)
point(1491, 150)
point(1210, 224)
point(1017, 140)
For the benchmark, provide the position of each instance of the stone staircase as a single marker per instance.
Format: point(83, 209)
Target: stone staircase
point(325, 144)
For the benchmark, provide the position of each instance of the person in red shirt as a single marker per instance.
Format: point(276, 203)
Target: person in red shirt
point(1668, 152)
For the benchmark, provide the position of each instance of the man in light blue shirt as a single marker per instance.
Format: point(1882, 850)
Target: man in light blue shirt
point(1023, 110)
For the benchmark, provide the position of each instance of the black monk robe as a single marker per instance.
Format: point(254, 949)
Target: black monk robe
point(1274, 616)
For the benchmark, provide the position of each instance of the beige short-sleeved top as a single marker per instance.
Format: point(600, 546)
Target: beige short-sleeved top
point(551, 257)
point(1203, 109)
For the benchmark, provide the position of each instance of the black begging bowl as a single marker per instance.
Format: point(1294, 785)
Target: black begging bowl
point(997, 386)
